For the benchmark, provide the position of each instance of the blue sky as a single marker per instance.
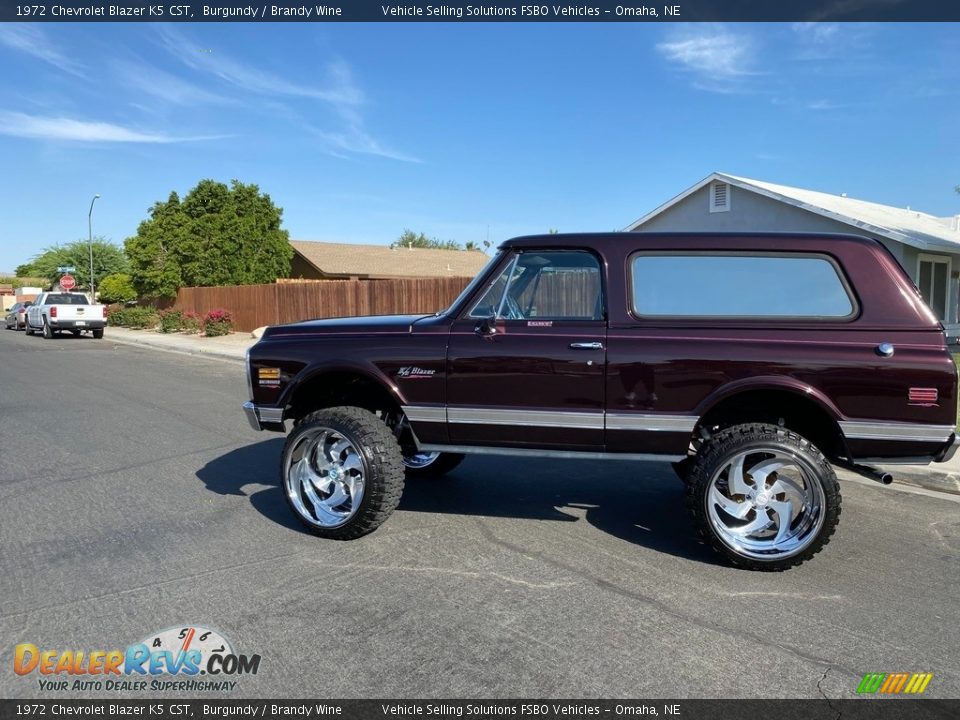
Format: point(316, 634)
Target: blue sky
point(361, 130)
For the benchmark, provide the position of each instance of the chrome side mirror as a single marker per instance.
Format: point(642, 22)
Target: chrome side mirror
point(486, 327)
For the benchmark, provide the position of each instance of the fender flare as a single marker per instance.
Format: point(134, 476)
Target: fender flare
point(769, 382)
point(316, 370)
point(778, 383)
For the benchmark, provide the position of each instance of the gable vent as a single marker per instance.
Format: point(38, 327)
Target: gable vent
point(719, 197)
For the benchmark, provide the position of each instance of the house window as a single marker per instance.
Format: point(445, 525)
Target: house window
point(719, 197)
point(933, 280)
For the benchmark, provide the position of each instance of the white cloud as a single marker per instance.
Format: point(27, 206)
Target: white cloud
point(339, 92)
point(815, 32)
point(163, 85)
point(356, 140)
point(710, 51)
point(33, 41)
point(22, 125)
point(822, 104)
point(338, 89)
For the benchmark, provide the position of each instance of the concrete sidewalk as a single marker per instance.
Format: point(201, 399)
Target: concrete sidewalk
point(943, 477)
point(226, 347)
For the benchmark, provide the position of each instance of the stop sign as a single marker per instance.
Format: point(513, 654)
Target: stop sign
point(67, 282)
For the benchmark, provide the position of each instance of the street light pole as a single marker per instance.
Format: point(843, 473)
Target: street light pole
point(93, 294)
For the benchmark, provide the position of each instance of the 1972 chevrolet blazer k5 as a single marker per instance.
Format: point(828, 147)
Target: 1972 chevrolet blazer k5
point(753, 362)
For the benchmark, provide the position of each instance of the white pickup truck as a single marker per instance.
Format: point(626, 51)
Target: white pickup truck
point(52, 312)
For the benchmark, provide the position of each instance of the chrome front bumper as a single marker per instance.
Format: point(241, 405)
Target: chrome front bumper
point(262, 417)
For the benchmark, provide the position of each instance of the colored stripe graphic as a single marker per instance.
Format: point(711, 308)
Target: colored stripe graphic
point(894, 683)
point(918, 683)
point(871, 682)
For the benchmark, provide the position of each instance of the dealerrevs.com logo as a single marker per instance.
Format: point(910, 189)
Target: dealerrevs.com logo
point(183, 653)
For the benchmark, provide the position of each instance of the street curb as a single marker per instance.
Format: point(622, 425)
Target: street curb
point(946, 482)
point(212, 353)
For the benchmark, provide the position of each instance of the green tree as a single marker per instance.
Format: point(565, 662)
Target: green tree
point(107, 259)
point(216, 235)
point(410, 239)
point(117, 288)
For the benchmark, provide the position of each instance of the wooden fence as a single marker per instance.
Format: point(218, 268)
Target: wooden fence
point(253, 306)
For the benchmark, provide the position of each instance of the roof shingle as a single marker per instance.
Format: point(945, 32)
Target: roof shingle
point(380, 261)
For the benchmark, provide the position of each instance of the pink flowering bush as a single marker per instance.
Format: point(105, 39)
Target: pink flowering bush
point(217, 322)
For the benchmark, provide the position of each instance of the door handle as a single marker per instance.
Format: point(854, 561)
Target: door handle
point(586, 346)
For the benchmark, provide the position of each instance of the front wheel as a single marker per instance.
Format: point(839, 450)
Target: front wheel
point(342, 472)
point(763, 497)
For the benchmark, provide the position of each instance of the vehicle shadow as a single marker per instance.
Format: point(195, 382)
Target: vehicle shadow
point(639, 502)
point(255, 464)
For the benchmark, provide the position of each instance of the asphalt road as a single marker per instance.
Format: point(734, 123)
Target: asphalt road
point(134, 497)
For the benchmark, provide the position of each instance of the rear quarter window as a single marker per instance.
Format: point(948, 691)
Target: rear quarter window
point(731, 285)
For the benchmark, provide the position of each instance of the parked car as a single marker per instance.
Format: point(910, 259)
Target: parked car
point(754, 363)
point(17, 316)
point(53, 312)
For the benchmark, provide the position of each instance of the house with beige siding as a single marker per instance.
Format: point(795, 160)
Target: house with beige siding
point(927, 246)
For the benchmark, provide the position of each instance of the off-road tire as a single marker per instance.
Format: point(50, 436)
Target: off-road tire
point(439, 467)
point(382, 459)
point(724, 445)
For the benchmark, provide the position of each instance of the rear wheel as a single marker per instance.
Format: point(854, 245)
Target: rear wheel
point(98, 333)
point(47, 330)
point(342, 472)
point(430, 464)
point(763, 497)
point(418, 464)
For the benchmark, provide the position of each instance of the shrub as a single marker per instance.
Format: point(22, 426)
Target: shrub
point(217, 322)
point(117, 288)
point(191, 323)
point(171, 321)
point(140, 318)
point(115, 315)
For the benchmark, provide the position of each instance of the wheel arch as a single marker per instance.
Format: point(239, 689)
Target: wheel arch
point(800, 407)
point(335, 385)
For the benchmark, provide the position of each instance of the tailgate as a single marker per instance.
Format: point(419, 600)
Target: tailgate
point(79, 312)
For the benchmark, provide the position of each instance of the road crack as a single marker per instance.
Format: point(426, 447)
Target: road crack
point(824, 695)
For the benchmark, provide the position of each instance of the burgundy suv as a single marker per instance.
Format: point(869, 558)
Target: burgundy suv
point(752, 362)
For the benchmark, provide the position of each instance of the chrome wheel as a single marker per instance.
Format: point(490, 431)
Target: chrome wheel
point(420, 460)
point(324, 477)
point(400, 426)
point(766, 504)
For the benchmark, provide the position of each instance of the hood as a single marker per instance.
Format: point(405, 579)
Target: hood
point(347, 326)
